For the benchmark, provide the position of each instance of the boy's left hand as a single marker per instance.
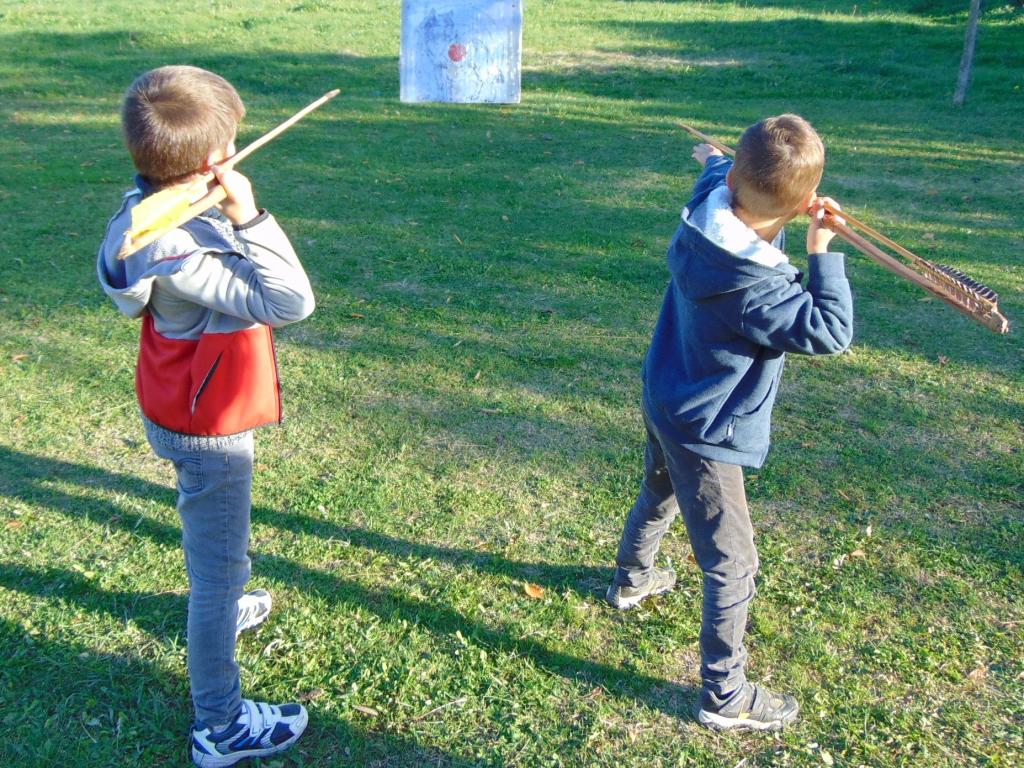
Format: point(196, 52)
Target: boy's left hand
point(819, 233)
point(702, 152)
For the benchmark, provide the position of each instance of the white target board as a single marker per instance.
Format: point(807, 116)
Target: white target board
point(461, 51)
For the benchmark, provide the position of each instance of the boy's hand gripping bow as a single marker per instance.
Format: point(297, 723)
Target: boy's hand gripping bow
point(166, 210)
point(975, 300)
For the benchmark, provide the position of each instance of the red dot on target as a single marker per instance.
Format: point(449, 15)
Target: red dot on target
point(457, 52)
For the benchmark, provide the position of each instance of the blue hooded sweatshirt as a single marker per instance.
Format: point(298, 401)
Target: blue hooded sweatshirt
point(728, 318)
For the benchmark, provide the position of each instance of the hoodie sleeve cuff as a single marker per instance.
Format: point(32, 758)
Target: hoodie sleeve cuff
point(259, 219)
point(717, 160)
point(825, 266)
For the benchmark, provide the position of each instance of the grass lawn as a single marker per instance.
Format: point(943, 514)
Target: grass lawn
point(463, 406)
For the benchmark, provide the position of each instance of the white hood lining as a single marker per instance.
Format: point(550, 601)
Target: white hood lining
point(715, 218)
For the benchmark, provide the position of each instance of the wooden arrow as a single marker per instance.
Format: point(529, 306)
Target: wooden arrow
point(168, 209)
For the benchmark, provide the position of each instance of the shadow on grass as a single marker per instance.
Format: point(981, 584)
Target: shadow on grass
point(126, 710)
point(387, 194)
point(442, 165)
point(26, 479)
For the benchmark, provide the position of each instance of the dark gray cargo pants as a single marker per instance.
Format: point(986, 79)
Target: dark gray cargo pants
point(714, 506)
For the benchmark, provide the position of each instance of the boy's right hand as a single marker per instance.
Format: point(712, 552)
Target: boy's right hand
point(702, 152)
point(240, 204)
point(819, 234)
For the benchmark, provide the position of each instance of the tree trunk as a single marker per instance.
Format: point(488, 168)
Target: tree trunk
point(967, 60)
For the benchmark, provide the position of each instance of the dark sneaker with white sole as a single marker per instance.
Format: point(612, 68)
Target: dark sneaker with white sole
point(751, 708)
point(258, 730)
point(623, 598)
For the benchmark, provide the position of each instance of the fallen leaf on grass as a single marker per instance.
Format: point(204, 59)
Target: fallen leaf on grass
point(977, 675)
point(534, 591)
point(826, 758)
point(690, 557)
point(15, 523)
point(858, 553)
point(19, 357)
point(312, 695)
point(369, 711)
point(943, 360)
point(491, 410)
point(356, 315)
point(457, 239)
point(843, 493)
point(477, 375)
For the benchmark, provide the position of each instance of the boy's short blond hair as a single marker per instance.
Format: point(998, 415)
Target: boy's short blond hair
point(174, 116)
point(779, 162)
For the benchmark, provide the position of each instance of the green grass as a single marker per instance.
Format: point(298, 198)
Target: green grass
point(463, 406)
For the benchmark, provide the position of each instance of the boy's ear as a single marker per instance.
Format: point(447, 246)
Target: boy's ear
point(215, 156)
point(808, 200)
point(211, 159)
point(730, 183)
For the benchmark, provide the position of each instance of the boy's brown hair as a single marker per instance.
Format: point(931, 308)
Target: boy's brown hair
point(779, 162)
point(174, 116)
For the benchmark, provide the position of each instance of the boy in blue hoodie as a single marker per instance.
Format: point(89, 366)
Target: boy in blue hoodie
point(734, 306)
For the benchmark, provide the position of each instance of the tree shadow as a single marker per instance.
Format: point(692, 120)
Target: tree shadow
point(527, 304)
point(416, 168)
point(367, 162)
point(107, 705)
point(30, 479)
point(137, 685)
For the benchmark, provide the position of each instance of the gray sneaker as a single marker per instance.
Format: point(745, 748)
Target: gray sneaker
point(253, 609)
point(751, 708)
point(623, 598)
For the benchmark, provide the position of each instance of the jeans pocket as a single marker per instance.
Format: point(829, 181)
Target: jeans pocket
point(190, 475)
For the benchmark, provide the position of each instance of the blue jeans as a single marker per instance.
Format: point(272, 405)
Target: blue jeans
point(214, 497)
point(714, 506)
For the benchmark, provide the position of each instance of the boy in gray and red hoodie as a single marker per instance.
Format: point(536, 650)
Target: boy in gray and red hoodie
point(733, 308)
point(208, 293)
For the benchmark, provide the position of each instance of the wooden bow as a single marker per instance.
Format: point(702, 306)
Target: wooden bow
point(975, 300)
point(168, 209)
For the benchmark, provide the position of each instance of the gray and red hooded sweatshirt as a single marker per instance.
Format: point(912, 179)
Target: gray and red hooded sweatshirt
point(209, 294)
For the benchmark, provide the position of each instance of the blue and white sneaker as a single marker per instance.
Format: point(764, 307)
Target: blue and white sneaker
point(253, 609)
point(258, 730)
